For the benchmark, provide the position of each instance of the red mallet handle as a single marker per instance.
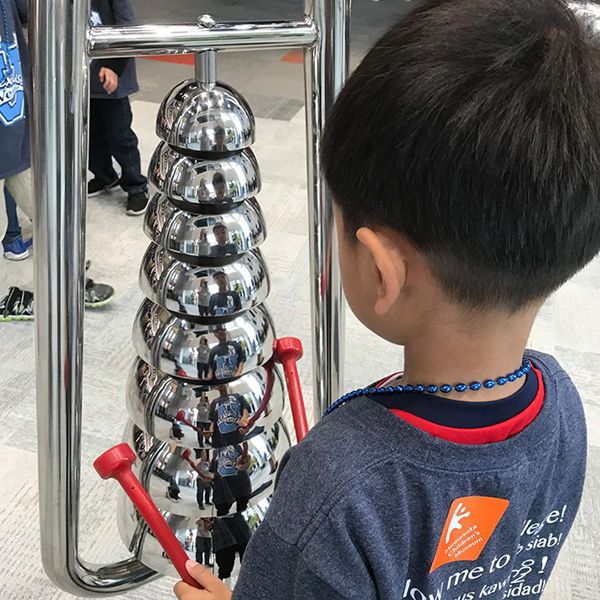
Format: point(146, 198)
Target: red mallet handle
point(288, 351)
point(116, 464)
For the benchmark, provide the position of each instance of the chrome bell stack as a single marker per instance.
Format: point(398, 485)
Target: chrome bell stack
point(205, 399)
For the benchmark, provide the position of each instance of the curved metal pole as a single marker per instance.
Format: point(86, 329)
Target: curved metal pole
point(59, 151)
point(326, 70)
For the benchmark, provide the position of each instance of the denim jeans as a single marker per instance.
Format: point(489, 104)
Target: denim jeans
point(111, 137)
point(20, 187)
point(13, 229)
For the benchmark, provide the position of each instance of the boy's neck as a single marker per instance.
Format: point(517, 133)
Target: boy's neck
point(448, 349)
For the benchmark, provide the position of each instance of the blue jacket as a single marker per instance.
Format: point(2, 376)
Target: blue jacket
point(113, 12)
point(14, 68)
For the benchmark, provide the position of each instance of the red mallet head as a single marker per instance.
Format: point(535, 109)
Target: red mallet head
point(288, 348)
point(180, 416)
point(114, 461)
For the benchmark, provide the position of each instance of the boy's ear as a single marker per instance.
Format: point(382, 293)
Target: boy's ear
point(389, 265)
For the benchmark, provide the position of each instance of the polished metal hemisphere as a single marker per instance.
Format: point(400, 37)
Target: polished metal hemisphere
point(224, 532)
point(203, 239)
point(215, 353)
point(205, 482)
point(217, 120)
point(205, 294)
point(204, 184)
point(187, 412)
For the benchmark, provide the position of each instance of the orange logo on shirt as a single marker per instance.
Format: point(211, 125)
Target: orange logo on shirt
point(469, 526)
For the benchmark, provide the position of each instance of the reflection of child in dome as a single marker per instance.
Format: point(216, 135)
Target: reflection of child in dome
point(229, 415)
point(219, 187)
point(226, 301)
point(227, 358)
point(232, 482)
point(224, 247)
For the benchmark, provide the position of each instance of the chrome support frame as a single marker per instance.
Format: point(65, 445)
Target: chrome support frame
point(326, 68)
point(62, 46)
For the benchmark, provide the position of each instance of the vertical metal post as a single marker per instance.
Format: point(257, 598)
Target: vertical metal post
point(59, 157)
point(326, 70)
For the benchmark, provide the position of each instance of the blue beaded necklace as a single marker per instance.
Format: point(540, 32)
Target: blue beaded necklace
point(434, 389)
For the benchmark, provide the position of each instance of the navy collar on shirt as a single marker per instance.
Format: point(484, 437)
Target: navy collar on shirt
point(461, 414)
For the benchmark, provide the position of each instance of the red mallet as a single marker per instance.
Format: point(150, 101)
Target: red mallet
point(288, 351)
point(116, 464)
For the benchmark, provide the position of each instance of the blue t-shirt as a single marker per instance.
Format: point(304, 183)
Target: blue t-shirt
point(14, 125)
point(225, 359)
point(227, 461)
point(369, 507)
point(224, 303)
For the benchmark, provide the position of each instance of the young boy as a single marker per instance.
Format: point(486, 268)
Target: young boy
point(464, 156)
point(15, 175)
point(111, 84)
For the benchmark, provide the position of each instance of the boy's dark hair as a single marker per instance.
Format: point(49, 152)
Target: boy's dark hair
point(473, 129)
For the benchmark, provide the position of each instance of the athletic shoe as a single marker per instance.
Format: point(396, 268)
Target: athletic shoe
point(97, 294)
point(136, 203)
point(17, 249)
point(97, 186)
point(17, 305)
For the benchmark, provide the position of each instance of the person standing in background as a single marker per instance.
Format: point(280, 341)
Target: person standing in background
point(15, 173)
point(112, 81)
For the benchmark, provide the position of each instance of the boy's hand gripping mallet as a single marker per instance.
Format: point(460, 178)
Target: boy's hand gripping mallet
point(288, 351)
point(116, 464)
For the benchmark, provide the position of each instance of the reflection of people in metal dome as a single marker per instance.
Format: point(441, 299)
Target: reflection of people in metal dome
point(219, 145)
point(224, 247)
point(229, 415)
point(203, 357)
point(227, 358)
point(219, 189)
point(232, 481)
point(226, 301)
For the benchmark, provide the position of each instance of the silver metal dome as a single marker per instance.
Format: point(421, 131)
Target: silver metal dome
point(204, 239)
point(192, 117)
point(199, 185)
point(204, 294)
point(213, 353)
point(205, 482)
point(186, 412)
point(224, 532)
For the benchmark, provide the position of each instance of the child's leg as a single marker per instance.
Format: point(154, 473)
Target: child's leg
point(100, 160)
point(20, 188)
point(13, 230)
point(124, 146)
point(225, 560)
point(207, 550)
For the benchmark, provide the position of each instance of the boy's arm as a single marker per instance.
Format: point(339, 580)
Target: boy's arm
point(309, 546)
point(124, 15)
point(273, 568)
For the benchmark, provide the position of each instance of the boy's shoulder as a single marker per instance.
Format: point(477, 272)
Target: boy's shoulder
point(362, 444)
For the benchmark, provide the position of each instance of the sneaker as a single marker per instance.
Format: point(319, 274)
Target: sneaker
point(97, 186)
point(97, 294)
point(17, 249)
point(17, 305)
point(136, 203)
